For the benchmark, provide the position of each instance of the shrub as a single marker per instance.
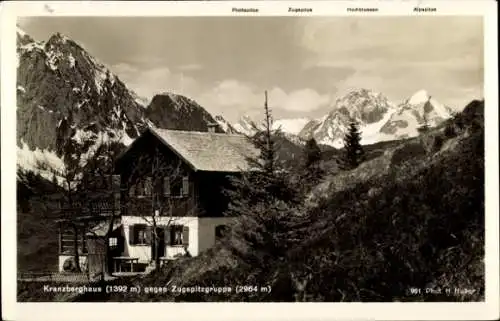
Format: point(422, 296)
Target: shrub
point(449, 130)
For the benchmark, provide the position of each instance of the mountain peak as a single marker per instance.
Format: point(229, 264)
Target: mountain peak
point(419, 97)
point(57, 38)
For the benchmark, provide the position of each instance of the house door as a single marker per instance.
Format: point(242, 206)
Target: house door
point(160, 250)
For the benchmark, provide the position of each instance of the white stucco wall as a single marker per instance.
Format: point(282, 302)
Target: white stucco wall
point(206, 226)
point(82, 259)
point(143, 252)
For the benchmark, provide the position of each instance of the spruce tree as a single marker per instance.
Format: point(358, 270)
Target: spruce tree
point(353, 151)
point(264, 202)
point(313, 153)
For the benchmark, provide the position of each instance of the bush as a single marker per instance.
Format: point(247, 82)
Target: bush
point(69, 265)
point(438, 143)
point(449, 130)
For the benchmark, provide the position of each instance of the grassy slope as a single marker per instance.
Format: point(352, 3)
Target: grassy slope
point(418, 224)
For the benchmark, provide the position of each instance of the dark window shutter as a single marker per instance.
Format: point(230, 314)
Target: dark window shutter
point(120, 243)
point(168, 235)
point(185, 235)
point(149, 235)
point(166, 186)
point(148, 186)
point(185, 186)
point(131, 235)
point(139, 191)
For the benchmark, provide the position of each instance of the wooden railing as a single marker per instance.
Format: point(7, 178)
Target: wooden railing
point(144, 206)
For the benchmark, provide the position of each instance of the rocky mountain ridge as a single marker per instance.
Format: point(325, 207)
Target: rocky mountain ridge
point(378, 118)
point(63, 92)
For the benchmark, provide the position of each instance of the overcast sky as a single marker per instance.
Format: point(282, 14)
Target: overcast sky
point(226, 63)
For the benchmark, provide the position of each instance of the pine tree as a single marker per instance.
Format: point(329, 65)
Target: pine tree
point(353, 151)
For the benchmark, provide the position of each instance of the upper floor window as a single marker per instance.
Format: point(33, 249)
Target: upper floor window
point(143, 187)
point(176, 186)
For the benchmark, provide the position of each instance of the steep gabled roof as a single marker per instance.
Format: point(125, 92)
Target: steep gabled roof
point(207, 151)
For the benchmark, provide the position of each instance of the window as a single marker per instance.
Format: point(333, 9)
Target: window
point(143, 187)
point(220, 231)
point(148, 186)
point(139, 234)
point(139, 188)
point(141, 237)
point(179, 235)
point(113, 242)
point(176, 186)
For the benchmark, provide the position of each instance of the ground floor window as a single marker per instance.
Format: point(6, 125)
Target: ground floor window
point(140, 234)
point(113, 242)
point(179, 235)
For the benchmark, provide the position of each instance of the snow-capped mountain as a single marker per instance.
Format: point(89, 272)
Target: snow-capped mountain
point(64, 93)
point(59, 83)
point(378, 118)
point(291, 126)
point(225, 125)
point(370, 109)
point(412, 113)
point(245, 125)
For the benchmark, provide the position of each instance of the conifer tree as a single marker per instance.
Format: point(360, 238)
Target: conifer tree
point(353, 151)
point(264, 201)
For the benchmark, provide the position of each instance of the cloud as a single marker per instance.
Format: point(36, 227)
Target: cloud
point(234, 98)
point(190, 67)
point(398, 55)
point(417, 38)
point(153, 81)
point(302, 100)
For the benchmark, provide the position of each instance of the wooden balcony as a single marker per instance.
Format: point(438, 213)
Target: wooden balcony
point(169, 206)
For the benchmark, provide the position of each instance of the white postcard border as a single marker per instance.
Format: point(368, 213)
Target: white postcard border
point(244, 311)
